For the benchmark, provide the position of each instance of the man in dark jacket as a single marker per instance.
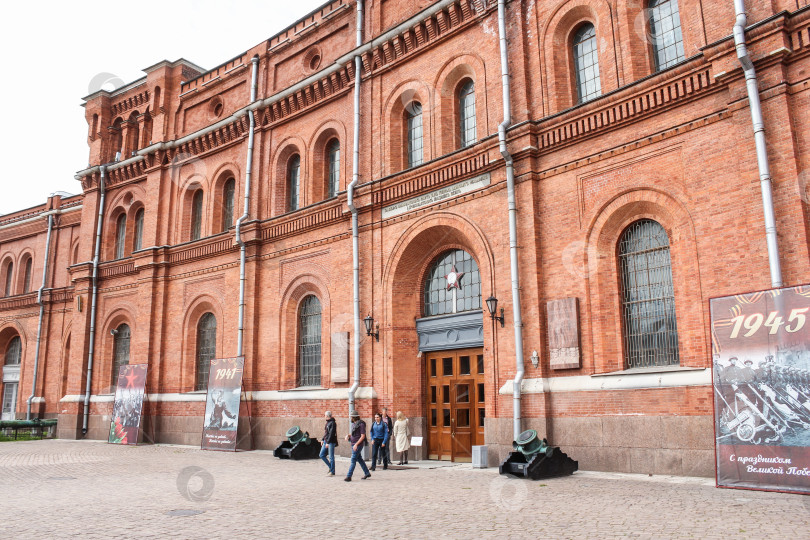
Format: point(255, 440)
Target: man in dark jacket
point(329, 443)
point(385, 455)
point(357, 438)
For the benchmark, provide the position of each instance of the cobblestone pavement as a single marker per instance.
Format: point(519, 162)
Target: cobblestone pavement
point(57, 489)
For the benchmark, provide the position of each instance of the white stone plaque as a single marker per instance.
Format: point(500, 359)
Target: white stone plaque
point(449, 192)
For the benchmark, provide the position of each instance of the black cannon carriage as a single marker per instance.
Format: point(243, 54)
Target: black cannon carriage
point(298, 446)
point(533, 458)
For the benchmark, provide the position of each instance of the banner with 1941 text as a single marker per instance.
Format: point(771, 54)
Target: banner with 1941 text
point(222, 404)
point(761, 366)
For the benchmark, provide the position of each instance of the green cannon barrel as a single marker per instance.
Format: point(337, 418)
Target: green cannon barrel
point(529, 444)
point(295, 435)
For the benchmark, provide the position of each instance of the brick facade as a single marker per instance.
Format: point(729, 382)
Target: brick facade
point(673, 146)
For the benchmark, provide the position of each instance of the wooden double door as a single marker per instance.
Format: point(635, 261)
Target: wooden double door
point(455, 403)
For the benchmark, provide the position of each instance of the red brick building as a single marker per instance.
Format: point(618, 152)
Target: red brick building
point(637, 199)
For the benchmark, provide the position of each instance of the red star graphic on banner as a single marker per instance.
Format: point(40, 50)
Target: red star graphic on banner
point(131, 379)
point(453, 279)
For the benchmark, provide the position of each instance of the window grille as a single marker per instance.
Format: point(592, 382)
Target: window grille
point(586, 59)
point(227, 204)
point(439, 297)
point(665, 33)
point(120, 350)
point(137, 242)
point(14, 352)
point(196, 215)
point(206, 348)
point(294, 178)
point(309, 342)
point(334, 168)
point(648, 299)
point(9, 274)
point(415, 135)
point(27, 278)
point(120, 235)
point(466, 107)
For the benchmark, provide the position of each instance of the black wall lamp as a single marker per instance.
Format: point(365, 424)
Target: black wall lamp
point(492, 306)
point(369, 322)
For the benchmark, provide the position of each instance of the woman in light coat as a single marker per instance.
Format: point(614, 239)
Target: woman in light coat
point(402, 433)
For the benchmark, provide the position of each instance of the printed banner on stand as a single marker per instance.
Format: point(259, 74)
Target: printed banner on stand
point(222, 404)
point(761, 365)
point(126, 418)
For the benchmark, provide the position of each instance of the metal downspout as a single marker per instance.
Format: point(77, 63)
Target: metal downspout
point(41, 315)
point(759, 139)
point(350, 200)
point(244, 216)
point(92, 347)
point(510, 187)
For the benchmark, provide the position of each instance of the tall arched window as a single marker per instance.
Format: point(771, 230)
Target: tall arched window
point(120, 235)
point(309, 342)
point(120, 350)
point(413, 116)
point(665, 32)
point(196, 215)
point(466, 108)
point(294, 180)
point(648, 297)
point(333, 159)
point(452, 285)
point(586, 63)
point(206, 349)
point(228, 191)
point(137, 242)
point(29, 263)
point(14, 352)
point(9, 275)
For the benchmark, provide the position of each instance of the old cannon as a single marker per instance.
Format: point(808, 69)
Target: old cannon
point(298, 446)
point(533, 458)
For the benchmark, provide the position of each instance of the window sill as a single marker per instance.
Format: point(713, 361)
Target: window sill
point(648, 370)
point(304, 389)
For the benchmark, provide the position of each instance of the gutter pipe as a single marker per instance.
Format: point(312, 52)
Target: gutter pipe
point(510, 187)
point(41, 315)
point(244, 216)
point(86, 416)
point(759, 139)
point(350, 201)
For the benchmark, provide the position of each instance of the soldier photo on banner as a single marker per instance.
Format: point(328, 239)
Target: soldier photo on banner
point(221, 419)
point(128, 404)
point(761, 375)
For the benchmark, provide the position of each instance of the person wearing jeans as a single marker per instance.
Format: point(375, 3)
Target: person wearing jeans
point(357, 438)
point(379, 438)
point(329, 443)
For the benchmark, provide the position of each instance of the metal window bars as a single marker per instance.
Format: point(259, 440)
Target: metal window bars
point(309, 342)
point(206, 349)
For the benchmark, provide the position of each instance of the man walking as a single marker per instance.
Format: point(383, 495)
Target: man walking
point(379, 438)
point(386, 454)
point(357, 438)
point(329, 442)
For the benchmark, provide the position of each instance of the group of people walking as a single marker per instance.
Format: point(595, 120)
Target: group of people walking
point(383, 432)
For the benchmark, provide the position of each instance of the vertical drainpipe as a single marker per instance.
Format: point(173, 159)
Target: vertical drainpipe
point(41, 315)
point(353, 208)
point(510, 188)
point(244, 216)
point(759, 139)
point(101, 186)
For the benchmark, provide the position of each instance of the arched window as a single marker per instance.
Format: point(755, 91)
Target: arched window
point(333, 159)
point(586, 63)
point(120, 350)
point(453, 284)
point(228, 191)
point(14, 352)
point(665, 32)
point(9, 275)
point(29, 263)
point(137, 242)
point(466, 108)
point(206, 348)
point(413, 116)
point(196, 215)
point(309, 342)
point(648, 298)
point(293, 181)
point(120, 235)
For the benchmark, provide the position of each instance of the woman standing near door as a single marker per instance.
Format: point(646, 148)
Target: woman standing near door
point(402, 433)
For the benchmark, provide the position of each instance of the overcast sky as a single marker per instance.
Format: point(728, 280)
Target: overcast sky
point(51, 51)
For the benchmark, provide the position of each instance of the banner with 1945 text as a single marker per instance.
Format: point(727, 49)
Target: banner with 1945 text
point(761, 366)
point(222, 404)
